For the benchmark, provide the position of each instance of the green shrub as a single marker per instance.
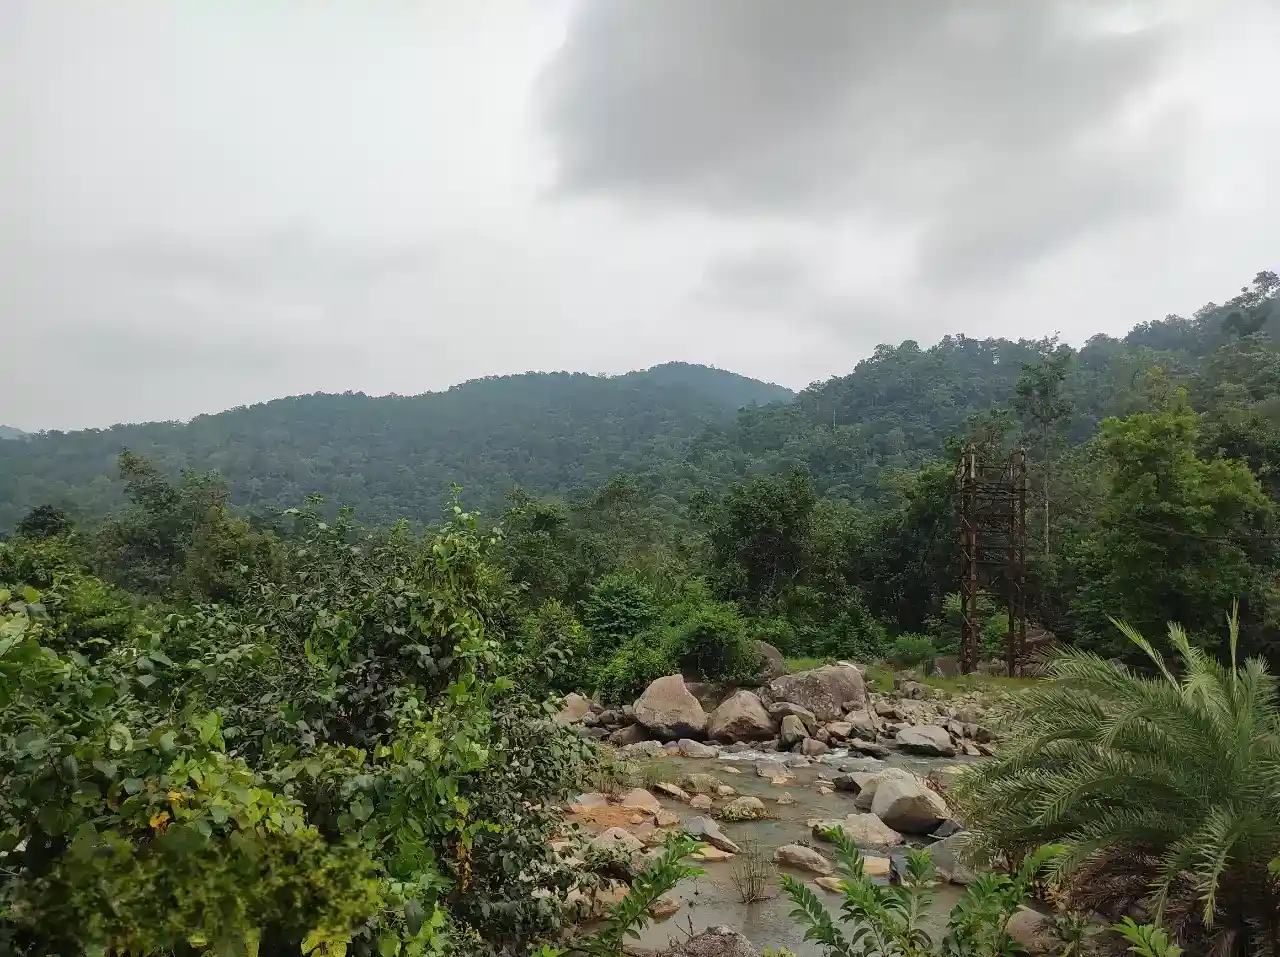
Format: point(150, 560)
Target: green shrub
point(623, 677)
point(619, 608)
point(554, 629)
point(711, 644)
point(1163, 788)
point(910, 651)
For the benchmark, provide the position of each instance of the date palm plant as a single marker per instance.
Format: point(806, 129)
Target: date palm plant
point(1165, 788)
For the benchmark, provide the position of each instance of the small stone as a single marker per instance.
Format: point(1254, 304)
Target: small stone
point(785, 798)
point(664, 907)
point(839, 730)
point(619, 837)
point(710, 854)
point(780, 781)
point(803, 858)
point(812, 747)
point(832, 884)
point(638, 819)
point(667, 818)
point(875, 866)
point(672, 791)
point(700, 802)
point(708, 831)
point(730, 769)
point(640, 800)
point(696, 749)
point(700, 783)
point(824, 790)
point(724, 791)
point(744, 809)
point(770, 769)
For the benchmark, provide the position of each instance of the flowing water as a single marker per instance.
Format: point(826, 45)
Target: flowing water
point(713, 899)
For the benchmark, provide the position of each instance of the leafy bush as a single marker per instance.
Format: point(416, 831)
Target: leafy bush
point(707, 639)
point(554, 627)
point(888, 920)
point(625, 675)
point(618, 609)
point(1163, 788)
point(910, 651)
point(335, 761)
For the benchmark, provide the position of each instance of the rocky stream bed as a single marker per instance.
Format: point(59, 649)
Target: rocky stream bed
point(758, 775)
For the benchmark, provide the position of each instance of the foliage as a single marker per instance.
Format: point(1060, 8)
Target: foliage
point(887, 921)
point(1175, 533)
point(752, 872)
point(910, 651)
point(334, 761)
point(1147, 941)
point(619, 608)
point(44, 521)
point(1163, 789)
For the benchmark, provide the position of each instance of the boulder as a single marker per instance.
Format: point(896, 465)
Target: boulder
point(926, 739)
point(717, 942)
point(946, 666)
point(886, 709)
point(611, 718)
point(863, 724)
point(669, 712)
point(664, 907)
point(802, 858)
point(865, 830)
point(839, 730)
point(638, 799)
point(823, 735)
point(1031, 930)
point(619, 838)
point(867, 793)
point(700, 802)
point(632, 734)
point(785, 798)
point(948, 775)
point(700, 783)
point(908, 805)
point(708, 831)
point(740, 717)
point(696, 749)
point(822, 690)
point(780, 709)
point(771, 769)
point(793, 731)
point(574, 709)
point(708, 853)
point(642, 749)
point(854, 782)
point(590, 799)
point(667, 818)
point(870, 748)
point(812, 747)
point(672, 791)
point(772, 664)
point(745, 808)
point(950, 859)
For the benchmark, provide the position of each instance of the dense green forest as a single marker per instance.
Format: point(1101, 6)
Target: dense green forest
point(397, 456)
point(825, 525)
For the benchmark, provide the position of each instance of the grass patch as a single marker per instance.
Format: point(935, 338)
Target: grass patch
point(979, 682)
point(806, 664)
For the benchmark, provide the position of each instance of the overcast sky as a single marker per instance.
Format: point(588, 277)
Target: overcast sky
point(205, 203)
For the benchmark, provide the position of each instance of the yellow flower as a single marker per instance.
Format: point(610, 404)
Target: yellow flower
point(176, 797)
point(159, 820)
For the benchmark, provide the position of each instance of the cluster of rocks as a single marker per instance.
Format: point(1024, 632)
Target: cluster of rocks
point(807, 713)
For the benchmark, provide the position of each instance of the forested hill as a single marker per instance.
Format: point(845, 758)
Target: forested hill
point(396, 456)
point(9, 432)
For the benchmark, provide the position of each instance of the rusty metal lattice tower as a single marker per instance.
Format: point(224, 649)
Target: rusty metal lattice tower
point(993, 548)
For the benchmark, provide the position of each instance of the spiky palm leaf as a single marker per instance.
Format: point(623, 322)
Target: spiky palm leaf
point(1166, 790)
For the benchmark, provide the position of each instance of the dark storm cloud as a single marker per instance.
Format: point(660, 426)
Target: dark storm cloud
point(998, 130)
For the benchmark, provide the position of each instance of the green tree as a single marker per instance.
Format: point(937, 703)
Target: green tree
point(1175, 535)
point(1162, 788)
point(45, 521)
point(1044, 408)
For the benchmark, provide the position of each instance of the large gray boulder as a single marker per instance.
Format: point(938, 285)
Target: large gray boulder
point(740, 717)
point(772, 664)
point(926, 739)
point(802, 858)
point(908, 805)
point(822, 690)
point(668, 711)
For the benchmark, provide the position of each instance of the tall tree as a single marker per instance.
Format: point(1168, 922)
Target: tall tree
point(1045, 410)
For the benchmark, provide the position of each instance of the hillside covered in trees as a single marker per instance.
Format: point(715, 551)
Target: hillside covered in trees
point(396, 456)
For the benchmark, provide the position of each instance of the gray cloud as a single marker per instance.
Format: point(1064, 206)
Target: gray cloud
point(997, 130)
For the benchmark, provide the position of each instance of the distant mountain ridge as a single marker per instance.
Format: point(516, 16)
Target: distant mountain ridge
point(9, 432)
point(395, 456)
